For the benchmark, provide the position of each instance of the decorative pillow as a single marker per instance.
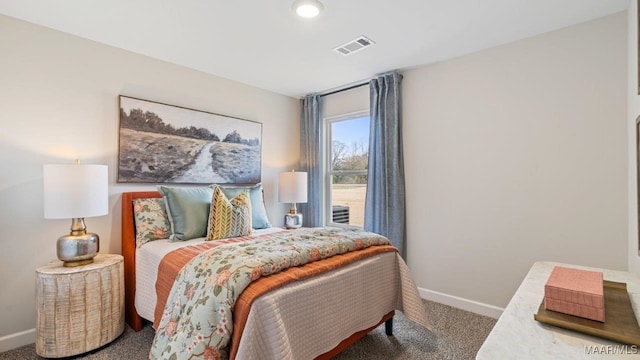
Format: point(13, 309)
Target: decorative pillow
point(151, 220)
point(188, 210)
point(229, 218)
point(259, 219)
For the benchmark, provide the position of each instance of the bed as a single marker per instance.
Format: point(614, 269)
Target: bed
point(275, 322)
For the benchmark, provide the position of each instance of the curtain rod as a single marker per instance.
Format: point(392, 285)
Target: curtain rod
point(345, 89)
point(357, 85)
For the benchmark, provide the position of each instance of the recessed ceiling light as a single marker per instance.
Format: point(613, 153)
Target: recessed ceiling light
point(307, 8)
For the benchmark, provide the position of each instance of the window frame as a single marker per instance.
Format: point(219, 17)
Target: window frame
point(328, 172)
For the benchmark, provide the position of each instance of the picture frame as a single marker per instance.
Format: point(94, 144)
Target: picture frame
point(161, 143)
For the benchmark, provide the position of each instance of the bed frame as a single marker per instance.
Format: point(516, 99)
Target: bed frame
point(129, 252)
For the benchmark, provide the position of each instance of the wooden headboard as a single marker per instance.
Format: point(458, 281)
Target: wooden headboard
point(129, 252)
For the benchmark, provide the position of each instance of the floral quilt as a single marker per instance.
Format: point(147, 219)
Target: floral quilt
point(197, 320)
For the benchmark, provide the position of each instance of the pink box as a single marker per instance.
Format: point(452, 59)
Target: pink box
point(575, 292)
point(570, 308)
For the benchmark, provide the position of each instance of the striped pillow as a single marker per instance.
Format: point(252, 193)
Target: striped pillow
point(229, 218)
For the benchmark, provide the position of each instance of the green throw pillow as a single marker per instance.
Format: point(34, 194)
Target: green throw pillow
point(188, 210)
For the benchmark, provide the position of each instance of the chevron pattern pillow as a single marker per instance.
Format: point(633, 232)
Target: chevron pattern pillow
point(229, 218)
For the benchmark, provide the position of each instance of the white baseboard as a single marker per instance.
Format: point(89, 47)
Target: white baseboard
point(12, 341)
point(461, 303)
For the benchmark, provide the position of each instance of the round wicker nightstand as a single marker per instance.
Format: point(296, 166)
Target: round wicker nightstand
point(79, 308)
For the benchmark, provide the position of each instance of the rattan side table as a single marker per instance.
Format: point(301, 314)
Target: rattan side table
point(81, 308)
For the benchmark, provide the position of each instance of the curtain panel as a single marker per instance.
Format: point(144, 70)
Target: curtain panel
point(385, 197)
point(311, 158)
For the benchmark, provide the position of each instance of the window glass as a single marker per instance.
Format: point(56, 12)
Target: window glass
point(347, 172)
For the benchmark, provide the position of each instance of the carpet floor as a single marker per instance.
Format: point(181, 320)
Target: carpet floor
point(457, 334)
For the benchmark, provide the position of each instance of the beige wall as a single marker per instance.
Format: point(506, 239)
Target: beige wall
point(634, 112)
point(346, 102)
point(518, 154)
point(58, 102)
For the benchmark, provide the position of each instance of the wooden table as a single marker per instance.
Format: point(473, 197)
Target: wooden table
point(79, 308)
point(517, 335)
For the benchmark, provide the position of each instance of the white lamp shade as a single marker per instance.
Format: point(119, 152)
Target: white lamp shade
point(75, 191)
point(292, 187)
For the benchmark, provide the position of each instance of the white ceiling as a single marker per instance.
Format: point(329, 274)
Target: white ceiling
point(262, 42)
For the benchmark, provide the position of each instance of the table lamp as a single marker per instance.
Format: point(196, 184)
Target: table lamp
point(292, 188)
point(75, 192)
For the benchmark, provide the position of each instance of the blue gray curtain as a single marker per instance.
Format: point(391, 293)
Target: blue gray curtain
point(311, 158)
point(385, 199)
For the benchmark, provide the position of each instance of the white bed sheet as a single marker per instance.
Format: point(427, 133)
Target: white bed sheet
point(148, 258)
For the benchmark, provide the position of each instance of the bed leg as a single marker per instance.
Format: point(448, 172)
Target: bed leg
point(388, 327)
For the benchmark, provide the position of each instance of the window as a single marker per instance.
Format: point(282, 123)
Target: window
point(347, 149)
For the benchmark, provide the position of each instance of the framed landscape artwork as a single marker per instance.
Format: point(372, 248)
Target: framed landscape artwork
point(160, 143)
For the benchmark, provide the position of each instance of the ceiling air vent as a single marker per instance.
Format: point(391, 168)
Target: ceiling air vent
point(355, 45)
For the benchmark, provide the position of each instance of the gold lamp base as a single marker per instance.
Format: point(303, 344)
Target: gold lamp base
point(77, 263)
point(79, 247)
